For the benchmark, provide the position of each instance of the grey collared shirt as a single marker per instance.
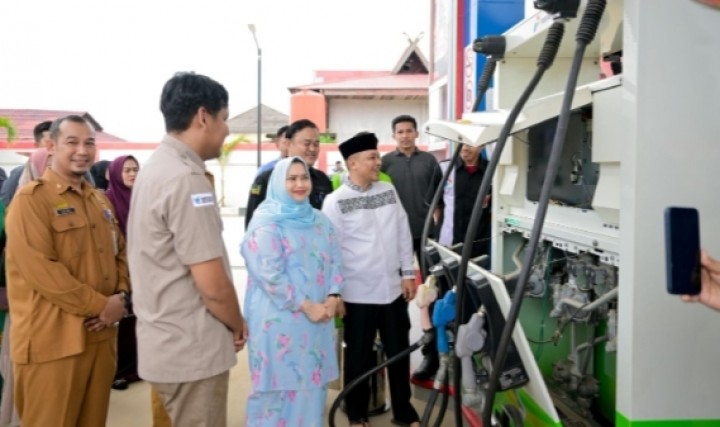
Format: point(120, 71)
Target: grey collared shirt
point(415, 178)
point(174, 222)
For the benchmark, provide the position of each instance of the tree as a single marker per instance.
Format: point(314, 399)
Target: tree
point(9, 126)
point(225, 152)
point(328, 137)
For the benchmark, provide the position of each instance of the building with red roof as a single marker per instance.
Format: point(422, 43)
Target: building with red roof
point(368, 100)
point(25, 121)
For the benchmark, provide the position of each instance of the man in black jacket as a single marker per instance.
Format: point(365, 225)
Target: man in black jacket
point(459, 197)
point(303, 141)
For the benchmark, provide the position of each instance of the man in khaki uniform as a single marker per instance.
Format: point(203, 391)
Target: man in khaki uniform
point(189, 324)
point(67, 281)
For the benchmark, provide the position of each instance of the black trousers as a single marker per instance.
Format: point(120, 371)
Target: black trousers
point(392, 321)
point(127, 350)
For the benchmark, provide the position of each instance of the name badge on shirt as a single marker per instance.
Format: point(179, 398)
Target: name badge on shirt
point(64, 209)
point(202, 199)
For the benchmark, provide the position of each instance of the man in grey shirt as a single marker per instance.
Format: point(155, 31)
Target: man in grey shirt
point(416, 175)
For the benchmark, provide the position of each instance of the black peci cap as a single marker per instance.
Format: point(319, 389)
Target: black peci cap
point(363, 141)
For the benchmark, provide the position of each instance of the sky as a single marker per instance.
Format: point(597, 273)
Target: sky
point(111, 59)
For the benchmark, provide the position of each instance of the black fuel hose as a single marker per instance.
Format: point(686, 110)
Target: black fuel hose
point(482, 89)
point(433, 205)
point(586, 32)
point(443, 402)
point(487, 73)
point(484, 82)
point(354, 383)
point(425, 420)
point(545, 60)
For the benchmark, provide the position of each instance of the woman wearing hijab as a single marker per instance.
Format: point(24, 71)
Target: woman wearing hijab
point(293, 263)
point(34, 169)
point(99, 174)
point(122, 173)
point(121, 178)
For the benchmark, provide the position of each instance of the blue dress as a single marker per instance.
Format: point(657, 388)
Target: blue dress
point(291, 358)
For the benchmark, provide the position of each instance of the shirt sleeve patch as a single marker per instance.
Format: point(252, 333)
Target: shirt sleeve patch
point(255, 190)
point(202, 199)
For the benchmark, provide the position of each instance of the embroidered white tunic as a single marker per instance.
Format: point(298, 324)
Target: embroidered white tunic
point(375, 239)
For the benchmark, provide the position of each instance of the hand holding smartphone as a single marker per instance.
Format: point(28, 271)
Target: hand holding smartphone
point(682, 250)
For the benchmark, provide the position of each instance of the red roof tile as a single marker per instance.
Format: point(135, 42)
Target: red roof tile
point(329, 76)
point(408, 78)
point(26, 120)
point(395, 85)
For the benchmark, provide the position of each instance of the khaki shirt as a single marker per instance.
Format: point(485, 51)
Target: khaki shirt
point(174, 223)
point(65, 256)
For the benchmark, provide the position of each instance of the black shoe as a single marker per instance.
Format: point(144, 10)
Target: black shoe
point(120, 384)
point(428, 367)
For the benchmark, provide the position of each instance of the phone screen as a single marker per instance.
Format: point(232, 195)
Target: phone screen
point(682, 248)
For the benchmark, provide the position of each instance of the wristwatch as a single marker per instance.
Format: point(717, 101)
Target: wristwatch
point(128, 300)
point(338, 296)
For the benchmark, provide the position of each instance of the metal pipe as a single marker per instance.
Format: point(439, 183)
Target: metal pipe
point(518, 263)
point(259, 108)
point(610, 295)
point(251, 27)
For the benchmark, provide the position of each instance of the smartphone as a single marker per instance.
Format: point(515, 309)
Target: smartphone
point(682, 250)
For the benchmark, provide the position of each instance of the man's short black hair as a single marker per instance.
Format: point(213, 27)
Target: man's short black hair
point(404, 118)
point(184, 94)
point(281, 132)
point(297, 126)
point(74, 118)
point(39, 129)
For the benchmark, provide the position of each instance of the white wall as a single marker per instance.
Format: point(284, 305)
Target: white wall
point(10, 159)
point(350, 116)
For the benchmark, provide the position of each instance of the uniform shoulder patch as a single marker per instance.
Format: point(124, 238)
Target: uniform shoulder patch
point(30, 187)
point(256, 189)
point(100, 196)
